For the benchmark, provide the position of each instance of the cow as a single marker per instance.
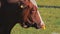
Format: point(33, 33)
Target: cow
point(18, 11)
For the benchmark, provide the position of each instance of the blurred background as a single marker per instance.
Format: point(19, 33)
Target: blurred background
point(50, 13)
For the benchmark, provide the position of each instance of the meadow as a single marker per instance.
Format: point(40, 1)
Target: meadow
point(50, 16)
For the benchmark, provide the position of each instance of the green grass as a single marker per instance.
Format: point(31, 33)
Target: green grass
point(49, 2)
point(51, 17)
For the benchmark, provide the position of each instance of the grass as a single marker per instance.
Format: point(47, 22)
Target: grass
point(51, 17)
point(49, 2)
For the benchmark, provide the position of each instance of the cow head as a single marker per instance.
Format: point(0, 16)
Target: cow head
point(30, 15)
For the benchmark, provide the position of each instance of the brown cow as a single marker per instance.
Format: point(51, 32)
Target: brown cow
point(13, 11)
